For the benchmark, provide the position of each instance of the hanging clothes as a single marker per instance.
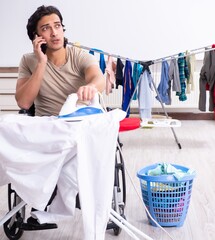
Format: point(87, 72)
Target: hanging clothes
point(213, 46)
point(110, 75)
point(145, 95)
point(164, 85)
point(137, 70)
point(102, 63)
point(174, 75)
point(183, 75)
point(207, 79)
point(119, 72)
point(128, 87)
point(191, 62)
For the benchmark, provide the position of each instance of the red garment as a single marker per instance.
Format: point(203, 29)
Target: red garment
point(129, 124)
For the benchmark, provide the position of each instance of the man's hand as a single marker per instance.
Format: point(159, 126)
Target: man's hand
point(38, 41)
point(86, 93)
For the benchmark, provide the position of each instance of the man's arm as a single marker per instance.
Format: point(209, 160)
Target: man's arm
point(95, 82)
point(27, 88)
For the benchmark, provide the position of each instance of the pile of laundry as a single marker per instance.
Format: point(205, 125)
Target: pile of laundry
point(168, 169)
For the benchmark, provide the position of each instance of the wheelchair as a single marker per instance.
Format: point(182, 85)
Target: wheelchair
point(15, 226)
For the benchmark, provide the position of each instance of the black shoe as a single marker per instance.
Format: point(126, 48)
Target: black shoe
point(32, 224)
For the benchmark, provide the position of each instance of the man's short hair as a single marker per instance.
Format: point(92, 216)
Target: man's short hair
point(37, 15)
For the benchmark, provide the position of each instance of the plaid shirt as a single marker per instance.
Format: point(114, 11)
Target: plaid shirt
point(183, 75)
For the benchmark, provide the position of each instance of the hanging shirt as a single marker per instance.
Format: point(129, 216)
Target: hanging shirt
point(145, 95)
point(102, 63)
point(183, 75)
point(213, 46)
point(164, 85)
point(137, 70)
point(128, 87)
point(110, 75)
point(119, 72)
point(174, 75)
point(207, 78)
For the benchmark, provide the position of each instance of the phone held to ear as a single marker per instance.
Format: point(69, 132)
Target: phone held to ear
point(43, 46)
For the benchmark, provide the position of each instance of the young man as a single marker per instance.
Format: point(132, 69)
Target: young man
point(54, 70)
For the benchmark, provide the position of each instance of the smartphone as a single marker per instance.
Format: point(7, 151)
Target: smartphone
point(43, 46)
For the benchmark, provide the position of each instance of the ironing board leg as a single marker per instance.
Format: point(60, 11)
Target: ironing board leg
point(166, 114)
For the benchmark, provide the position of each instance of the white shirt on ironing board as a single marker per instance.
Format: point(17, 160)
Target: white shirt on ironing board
point(38, 153)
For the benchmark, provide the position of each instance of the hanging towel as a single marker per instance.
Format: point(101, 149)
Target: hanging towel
point(102, 63)
point(191, 62)
point(145, 95)
point(119, 72)
point(164, 85)
point(183, 75)
point(110, 75)
point(128, 87)
point(137, 70)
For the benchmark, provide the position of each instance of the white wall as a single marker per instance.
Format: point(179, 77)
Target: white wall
point(138, 29)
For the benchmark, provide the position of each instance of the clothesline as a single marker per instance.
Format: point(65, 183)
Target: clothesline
point(158, 60)
point(105, 53)
point(190, 52)
point(146, 65)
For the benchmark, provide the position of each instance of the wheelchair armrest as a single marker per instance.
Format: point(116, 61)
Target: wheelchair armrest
point(29, 112)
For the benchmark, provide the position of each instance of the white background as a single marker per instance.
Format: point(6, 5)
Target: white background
point(137, 29)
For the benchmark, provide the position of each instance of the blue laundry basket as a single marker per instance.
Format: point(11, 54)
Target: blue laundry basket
point(166, 198)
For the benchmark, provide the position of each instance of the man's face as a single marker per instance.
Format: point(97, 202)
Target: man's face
point(50, 28)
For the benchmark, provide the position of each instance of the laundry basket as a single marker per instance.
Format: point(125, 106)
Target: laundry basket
point(166, 198)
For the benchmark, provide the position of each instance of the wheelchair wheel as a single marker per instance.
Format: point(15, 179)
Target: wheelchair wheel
point(12, 225)
point(116, 229)
point(119, 191)
point(120, 181)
